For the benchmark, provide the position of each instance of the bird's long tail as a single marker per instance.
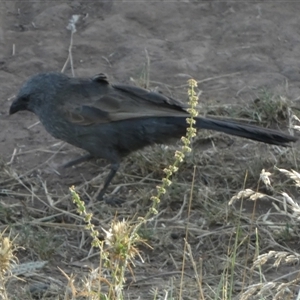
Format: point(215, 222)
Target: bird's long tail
point(255, 133)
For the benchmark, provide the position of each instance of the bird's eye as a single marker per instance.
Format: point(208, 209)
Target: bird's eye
point(25, 99)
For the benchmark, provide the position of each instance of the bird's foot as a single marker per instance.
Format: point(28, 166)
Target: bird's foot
point(77, 161)
point(110, 200)
point(113, 201)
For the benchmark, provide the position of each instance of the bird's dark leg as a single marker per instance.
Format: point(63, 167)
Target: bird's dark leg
point(113, 170)
point(78, 160)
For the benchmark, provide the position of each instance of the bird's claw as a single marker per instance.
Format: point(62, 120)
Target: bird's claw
point(113, 201)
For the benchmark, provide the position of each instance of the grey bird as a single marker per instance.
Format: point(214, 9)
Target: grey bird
point(112, 120)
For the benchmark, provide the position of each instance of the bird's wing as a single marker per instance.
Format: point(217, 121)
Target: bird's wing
point(97, 101)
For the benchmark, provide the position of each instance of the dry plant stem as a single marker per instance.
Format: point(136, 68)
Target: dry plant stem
point(147, 80)
point(251, 228)
point(228, 284)
point(252, 216)
point(257, 253)
point(70, 56)
point(187, 246)
point(199, 81)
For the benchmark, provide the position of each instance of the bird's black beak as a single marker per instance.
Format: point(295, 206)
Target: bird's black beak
point(17, 105)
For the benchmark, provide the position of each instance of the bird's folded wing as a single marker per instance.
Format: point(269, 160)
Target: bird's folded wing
point(102, 103)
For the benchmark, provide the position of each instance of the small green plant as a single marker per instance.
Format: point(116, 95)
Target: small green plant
point(179, 155)
point(270, 108)
point(117, 250)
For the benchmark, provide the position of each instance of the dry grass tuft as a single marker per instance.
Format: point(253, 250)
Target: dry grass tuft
point(7, 261)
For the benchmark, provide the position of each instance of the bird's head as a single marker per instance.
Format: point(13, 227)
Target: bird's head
point(33, 94)
point(20, 103)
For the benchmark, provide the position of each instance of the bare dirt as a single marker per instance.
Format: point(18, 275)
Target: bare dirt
point(233, 49)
